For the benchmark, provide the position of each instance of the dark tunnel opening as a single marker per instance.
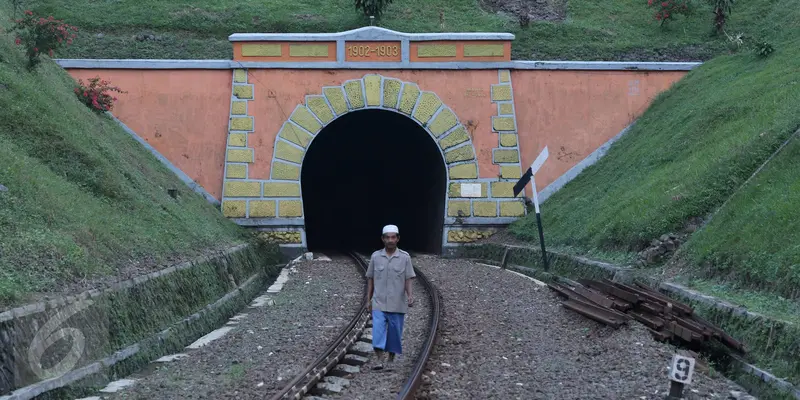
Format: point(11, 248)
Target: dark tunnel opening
point(368, 169)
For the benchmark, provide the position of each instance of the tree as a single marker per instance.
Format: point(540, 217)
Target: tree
point(372, 7)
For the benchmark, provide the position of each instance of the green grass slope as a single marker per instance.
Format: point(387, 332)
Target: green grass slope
point(83, 197)
point(583, 30)
point(690, 151)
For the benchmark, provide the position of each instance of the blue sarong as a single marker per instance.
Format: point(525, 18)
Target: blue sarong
point(387, 331)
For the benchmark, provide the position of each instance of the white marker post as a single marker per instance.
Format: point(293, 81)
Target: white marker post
point(680, 374)
point(520, 185)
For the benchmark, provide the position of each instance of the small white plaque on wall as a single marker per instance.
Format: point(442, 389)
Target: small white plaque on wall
point(470, 190)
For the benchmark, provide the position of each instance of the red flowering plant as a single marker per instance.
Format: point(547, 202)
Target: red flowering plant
point(667, 9)
point(97, 94)
point(40, 35)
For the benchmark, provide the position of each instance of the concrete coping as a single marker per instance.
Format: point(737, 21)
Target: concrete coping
point(450, 65)
point(59, 301)
point(366, 33)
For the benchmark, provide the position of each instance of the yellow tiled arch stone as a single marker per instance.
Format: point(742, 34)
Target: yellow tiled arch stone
point(294, 135)
point(335, 97)
point(354, 95)
point(391, 92)
point(464, 171)
point(285, 151)
point(281, 189)
point(429, 103)
point(457, 136)
point(463, 153)
point(443, 122)
point(284, 171)
point(290, 208)
point(409, 98)
point(372, 87)
point(303, 117)
point(319, 107)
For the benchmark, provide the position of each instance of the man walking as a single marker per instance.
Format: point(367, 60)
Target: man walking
point(389, 275)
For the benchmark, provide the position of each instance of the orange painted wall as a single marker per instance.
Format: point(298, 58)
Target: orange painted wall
point(278, 92)
point(575, 112)
point(183, 114)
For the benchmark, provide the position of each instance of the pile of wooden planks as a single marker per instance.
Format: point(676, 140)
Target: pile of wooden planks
point(615, 304)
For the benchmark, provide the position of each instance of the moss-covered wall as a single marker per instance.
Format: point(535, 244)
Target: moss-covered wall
point(139, 313)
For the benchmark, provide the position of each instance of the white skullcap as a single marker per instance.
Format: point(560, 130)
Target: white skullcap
point(391, 229)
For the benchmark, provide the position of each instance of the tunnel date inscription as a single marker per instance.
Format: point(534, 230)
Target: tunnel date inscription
point(372, 51)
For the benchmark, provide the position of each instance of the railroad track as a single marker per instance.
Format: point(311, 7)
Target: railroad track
point(334, 367)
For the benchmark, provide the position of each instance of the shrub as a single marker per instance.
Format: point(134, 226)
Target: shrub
point(668, 9)
point(40, 35)
point(722, 10)
point(372, 7)
point(764, 49)
point(97, 94)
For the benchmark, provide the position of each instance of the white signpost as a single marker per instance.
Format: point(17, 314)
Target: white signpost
point(520, 185)
point(680, 374)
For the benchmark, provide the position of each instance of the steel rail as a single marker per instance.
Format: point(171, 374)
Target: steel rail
point(305, 381)
point(409, 389)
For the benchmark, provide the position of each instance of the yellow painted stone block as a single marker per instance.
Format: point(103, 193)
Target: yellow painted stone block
point(506, 109)
point(242, 189)
point(510, 172)
point(468, 235)
point(308, 50)
point(506, 156)
point(262, 208)
point(503, 189)
point(236, 171)
point(281, 237)
point(372, 87)
point(240, 76)
point(455, 189)
point(458, 208)
point(285, 151)
point(241, 124)
point(335, 96)
point(443, 122)
point(240, 155)
point(290, 208)
point(319, 107)
point(508, 139)
point(234, 208)
point(462, 153)
point(237, 139)
point(464, 171)
point(429, 103)
point(436, 50)
point(409, 98)
point(354, 95)
point(243, 91)
point(484, 208)
point(239, 108)
point(281, 189)
point(457, 136)
point(391, 91)
point(511, 209)
point(261, 50)
point(281, 170)
point(484, 50)
point(505, 76)
point(501, 92)
point(501, 124)
point(303, 117)
point(295, 135)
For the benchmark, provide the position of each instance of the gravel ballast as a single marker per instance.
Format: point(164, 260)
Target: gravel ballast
point(372, 384)
point(503, 336)
point(268, 347)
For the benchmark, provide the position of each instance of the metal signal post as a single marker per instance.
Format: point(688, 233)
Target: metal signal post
point(520, 186)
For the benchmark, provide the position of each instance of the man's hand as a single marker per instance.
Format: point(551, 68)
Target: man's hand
point(410, 301)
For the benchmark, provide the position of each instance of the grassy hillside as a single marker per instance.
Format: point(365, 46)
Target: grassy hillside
point(692, 149)
point(83, 197)
point(573, 30)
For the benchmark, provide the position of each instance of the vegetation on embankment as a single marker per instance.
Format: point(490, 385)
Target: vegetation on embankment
point(558, 29)
point(83, 198)
point(692, 150)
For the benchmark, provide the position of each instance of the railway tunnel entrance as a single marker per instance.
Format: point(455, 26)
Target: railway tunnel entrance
point(367, 169)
